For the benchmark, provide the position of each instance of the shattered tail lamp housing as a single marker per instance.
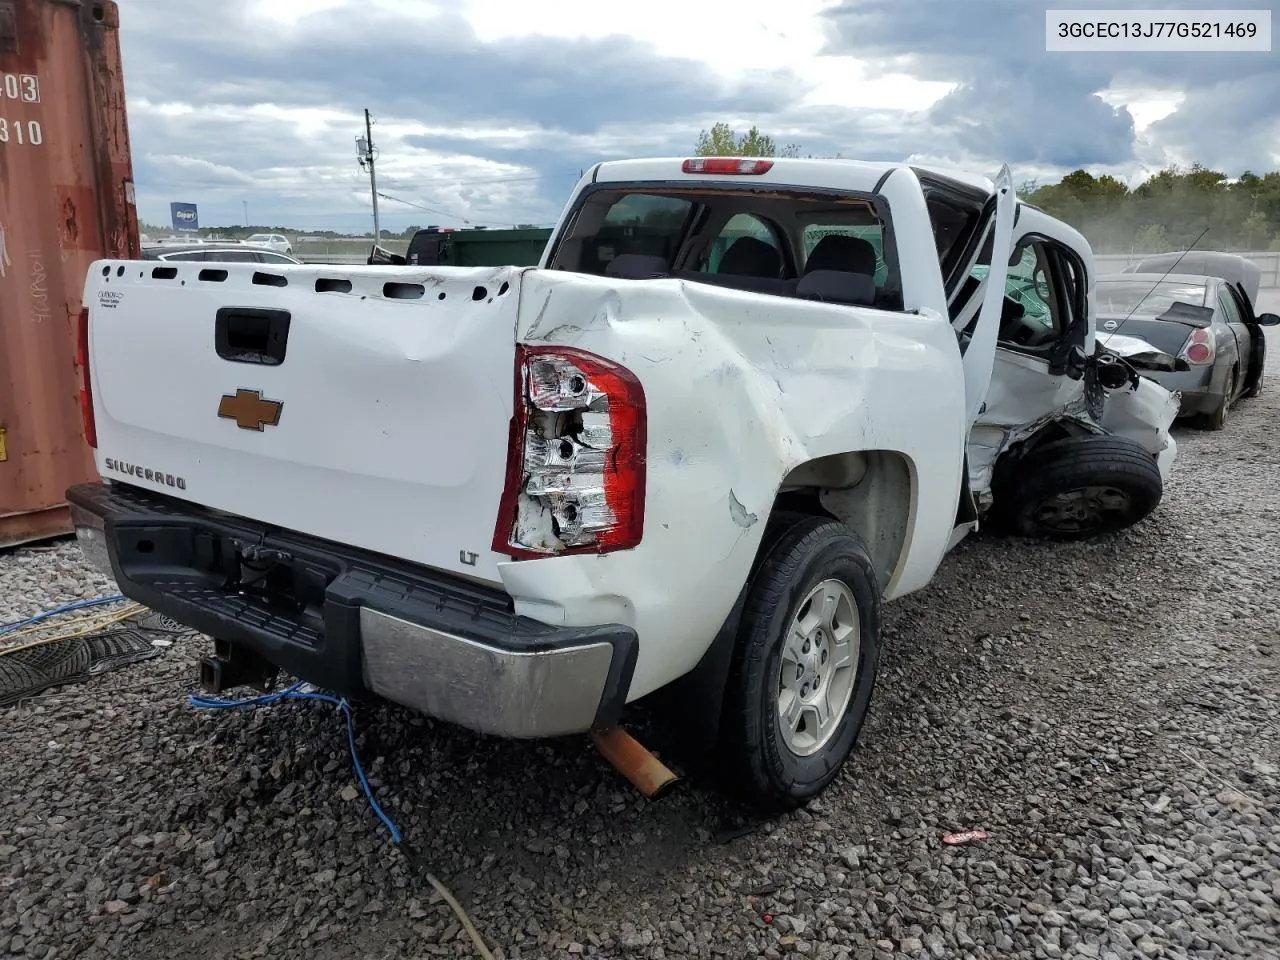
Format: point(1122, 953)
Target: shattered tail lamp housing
point(575, 457)
point(1199, 347)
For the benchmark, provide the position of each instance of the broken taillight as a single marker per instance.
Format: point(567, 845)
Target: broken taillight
point(575, 456)
point(1199, 348)
point(86, 388)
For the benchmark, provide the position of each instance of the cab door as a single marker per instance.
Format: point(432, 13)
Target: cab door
point(979, 332)
point(978, 342)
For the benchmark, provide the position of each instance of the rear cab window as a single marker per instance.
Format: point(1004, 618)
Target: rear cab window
point(758, 240)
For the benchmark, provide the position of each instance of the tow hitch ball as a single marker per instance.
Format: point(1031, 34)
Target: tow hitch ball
point(232, 666)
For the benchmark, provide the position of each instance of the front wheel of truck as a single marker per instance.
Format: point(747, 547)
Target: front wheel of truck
point(804, 665)
point(1077, 488)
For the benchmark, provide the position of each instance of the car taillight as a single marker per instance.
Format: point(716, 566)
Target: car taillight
point(86, 389)
point(1199, 348)
point(732, 165)
point(575, 456)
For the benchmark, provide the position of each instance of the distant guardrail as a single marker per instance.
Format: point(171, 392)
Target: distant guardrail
point(1267, 261)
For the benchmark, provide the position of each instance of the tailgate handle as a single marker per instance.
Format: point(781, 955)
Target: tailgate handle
point(251, 335)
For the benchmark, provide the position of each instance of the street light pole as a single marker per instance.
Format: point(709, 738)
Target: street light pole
point(366, 149)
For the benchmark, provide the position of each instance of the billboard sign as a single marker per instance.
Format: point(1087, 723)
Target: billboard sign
point(184, 217)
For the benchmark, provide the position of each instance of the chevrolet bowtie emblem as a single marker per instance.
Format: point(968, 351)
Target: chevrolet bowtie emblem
point(249, 410)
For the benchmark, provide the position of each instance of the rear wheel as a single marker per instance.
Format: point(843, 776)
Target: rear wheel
point(1078, 487)
point(1217, 418)
point(804, 665)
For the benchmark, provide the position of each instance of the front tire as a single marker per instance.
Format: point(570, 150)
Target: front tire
point(804, 665)
point(1079, 487)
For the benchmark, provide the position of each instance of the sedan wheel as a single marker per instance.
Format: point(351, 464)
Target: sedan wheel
point(1217, 420)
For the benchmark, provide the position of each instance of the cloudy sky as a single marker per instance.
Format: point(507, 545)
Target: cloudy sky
point(488, 109)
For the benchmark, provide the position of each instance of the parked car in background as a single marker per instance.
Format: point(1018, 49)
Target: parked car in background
point(1208, 321)
point(272, 241)
point(218, 254)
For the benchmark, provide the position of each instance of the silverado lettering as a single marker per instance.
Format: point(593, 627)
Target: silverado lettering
point(143, 473)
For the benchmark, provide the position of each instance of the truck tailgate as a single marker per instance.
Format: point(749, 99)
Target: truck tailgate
point(367, 406)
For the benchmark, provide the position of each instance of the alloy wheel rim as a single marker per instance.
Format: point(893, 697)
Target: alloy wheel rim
point(817, 667)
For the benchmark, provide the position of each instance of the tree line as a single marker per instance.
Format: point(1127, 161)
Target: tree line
point(1166, 212)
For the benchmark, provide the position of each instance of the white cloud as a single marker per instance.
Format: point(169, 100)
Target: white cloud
point(487, 109)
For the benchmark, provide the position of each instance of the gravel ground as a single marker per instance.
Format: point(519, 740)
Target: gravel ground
point(1108, 712)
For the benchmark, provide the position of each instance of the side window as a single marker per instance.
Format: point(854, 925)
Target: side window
point(871, 233)
point(273, 258)
point(1045, 305)
point(235, 256)
point(195, 255)
point(1029, 285)
point(748, 257)
point(951, 224)
point(1228, 308)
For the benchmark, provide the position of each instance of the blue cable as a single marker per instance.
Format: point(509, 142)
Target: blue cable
point(415, 863)
point(296, 692)
point(65, 608)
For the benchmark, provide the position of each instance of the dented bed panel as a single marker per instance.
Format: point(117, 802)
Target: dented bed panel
point(741, 389)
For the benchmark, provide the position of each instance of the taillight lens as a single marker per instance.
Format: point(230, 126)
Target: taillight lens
point(1199, 348)
point(575, 456)
point(729, 165)
point(86, 389)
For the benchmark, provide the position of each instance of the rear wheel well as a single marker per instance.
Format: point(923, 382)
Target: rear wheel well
point(873, 493)
point(869, 491)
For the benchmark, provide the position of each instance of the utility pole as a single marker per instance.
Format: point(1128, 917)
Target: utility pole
point(246, 212)
point(365, 152)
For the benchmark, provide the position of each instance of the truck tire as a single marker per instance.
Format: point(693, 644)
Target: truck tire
point(804, 664)
point(1079, 487)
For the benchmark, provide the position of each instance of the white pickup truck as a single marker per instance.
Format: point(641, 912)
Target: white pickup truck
point(517, 499)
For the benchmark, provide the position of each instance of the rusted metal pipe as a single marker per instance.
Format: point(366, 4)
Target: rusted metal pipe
point(629, 757)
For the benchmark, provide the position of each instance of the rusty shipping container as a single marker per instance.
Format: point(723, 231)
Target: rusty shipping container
point(66, 199)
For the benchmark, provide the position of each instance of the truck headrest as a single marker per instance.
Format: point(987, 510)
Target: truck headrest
point(751, 257)
point(838, 286)
point(838, 252)
point(637, 266)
